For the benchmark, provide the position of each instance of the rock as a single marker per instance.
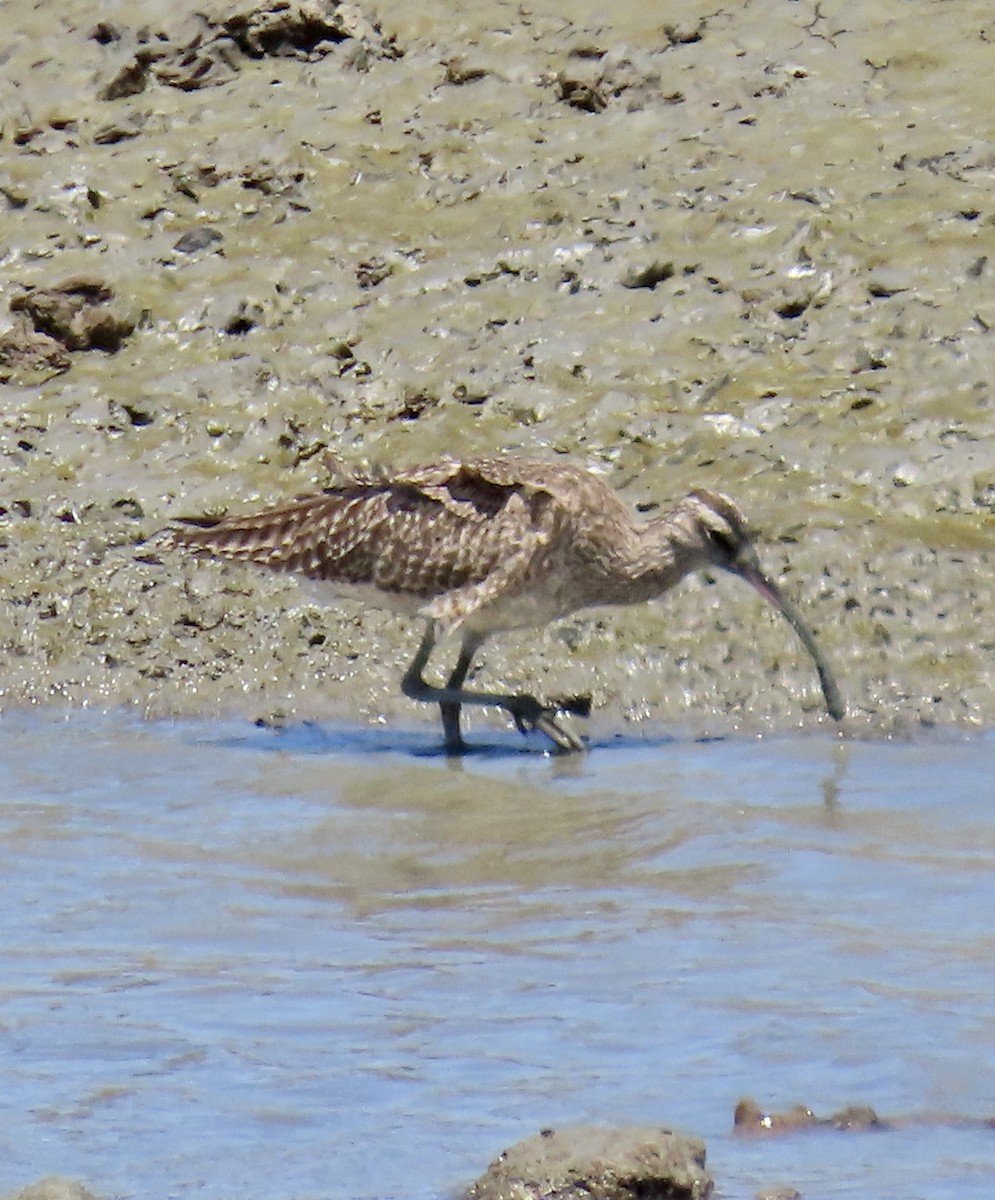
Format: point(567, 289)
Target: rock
point(53, 1187)
point(751, 1119)
point(75, 313)
point(212, 46)
point(648, 276)
point(584, 1162)
point(198, 239)
point(857, 1117)
point(29, 356)
point(579, 93)
point(131, 79)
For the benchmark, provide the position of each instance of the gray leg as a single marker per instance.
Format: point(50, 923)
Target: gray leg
point(449, 709)
point(527, 711)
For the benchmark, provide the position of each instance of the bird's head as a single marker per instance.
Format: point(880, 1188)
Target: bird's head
point(723, 540)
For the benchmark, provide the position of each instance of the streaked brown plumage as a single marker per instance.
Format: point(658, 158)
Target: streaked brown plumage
point(487, 545)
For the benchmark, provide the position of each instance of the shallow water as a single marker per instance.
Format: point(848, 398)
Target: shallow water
point(327, 962)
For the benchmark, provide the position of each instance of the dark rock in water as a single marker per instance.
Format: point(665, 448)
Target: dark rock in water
point(857, 1117)
point(749, 1118)
point(584, 1162)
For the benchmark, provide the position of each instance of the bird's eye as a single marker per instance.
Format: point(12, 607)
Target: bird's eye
point(722, 543)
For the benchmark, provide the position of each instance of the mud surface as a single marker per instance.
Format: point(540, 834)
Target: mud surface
point(751, 251)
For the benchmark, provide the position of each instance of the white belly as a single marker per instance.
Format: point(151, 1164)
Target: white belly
point(527, 610)
point(330, 595)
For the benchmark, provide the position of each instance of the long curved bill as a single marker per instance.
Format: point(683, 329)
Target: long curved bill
point(751, 572)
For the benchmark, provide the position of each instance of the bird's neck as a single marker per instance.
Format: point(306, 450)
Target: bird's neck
point(667, 550)
point(651, 558)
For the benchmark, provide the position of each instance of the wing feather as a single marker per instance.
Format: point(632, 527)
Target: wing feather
point(452, 534)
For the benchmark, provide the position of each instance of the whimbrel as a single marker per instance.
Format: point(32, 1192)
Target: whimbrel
point(487, 545)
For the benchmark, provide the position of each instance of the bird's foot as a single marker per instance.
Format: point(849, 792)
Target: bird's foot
point(454, 747)
point(531, 714)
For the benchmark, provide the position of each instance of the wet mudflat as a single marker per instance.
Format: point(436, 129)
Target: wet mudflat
point(325, 961)
point(747, 248)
